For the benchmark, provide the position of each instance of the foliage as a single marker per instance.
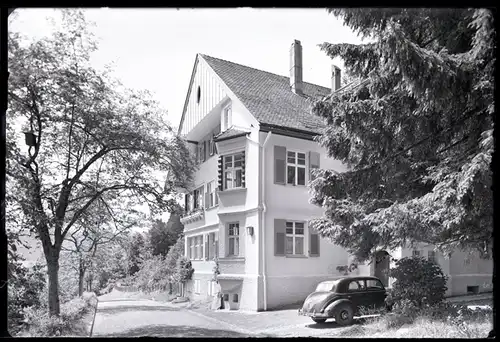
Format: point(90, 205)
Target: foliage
point(419, 281)
point(184, 270)
point(95, 141)
point(416, 135)
point(162, 236)
point(136, 252)
point(25, 284)
point(158, 272)
point(40, 323)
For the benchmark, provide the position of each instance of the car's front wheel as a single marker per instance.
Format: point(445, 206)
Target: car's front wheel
point(344, 314)
point(319, 320)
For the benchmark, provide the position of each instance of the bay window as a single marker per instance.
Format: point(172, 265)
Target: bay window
point(233, 171)
point(294, 243)
point(234, 239)
point(296, 168)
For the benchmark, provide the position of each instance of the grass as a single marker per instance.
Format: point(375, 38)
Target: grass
point(421, 327)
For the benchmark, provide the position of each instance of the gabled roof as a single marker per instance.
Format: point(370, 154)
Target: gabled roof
point(268, 96)
point(229, 134)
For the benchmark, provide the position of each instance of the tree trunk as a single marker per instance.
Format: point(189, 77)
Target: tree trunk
point(53, 273)
point(81, 278)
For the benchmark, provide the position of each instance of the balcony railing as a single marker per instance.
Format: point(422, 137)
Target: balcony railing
point(193, 216)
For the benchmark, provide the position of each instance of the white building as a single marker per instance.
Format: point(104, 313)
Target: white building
point(252, 132)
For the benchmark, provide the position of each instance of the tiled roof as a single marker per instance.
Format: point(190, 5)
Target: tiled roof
point(269, 97)
point(229, 133)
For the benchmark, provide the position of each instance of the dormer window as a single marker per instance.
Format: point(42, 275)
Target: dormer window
point(227, 117)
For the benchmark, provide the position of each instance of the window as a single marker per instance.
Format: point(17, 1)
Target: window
point(235, 298)
point(192, 253)
point(296, 168)
point(212, 195)
point(356, 285)
point(227, 117)
point(374, 285)
point(472, 289)
point(198, 95)
point(226, 297)
point(234, 239)
point(294, 238)
point(198, 198)
point(210, 288)
point(199, 247)
point(431, 256)
point(197, 286)
point(233, 170)
point(353, 286)
point(416, 254)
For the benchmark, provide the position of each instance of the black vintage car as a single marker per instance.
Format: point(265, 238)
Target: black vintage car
point(342, 299)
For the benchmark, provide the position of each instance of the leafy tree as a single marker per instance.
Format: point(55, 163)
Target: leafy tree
point(419, 281)
point(175, 253)
point(416, 134)
point(83, 123)
point(136, 252)
point(93, 230)
point(163, 235)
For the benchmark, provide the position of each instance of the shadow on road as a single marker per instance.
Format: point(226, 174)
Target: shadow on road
point(125, 308)
point(334, 325)
point(175, 331)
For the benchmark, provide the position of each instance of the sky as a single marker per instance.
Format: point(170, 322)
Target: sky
point(155, 49)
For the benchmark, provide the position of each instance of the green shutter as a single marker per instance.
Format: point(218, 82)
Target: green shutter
point(279, 236)
point(279, 164)
point(313, 163)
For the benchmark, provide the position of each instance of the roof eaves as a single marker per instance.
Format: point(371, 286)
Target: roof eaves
point(231, 137)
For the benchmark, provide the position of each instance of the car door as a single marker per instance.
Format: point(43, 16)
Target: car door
point(355, 294)
point(375, 294)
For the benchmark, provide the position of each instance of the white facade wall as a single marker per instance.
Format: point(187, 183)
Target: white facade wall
point(291, 279)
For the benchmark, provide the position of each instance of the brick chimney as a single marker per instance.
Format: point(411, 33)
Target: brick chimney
point(296, 67)
point(335, 78)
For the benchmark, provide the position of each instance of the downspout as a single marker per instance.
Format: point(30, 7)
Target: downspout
point(264, 209)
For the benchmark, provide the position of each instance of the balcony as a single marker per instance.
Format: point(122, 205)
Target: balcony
point(193, 216)
point(231, 265)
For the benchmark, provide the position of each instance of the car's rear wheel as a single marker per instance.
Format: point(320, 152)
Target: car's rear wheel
point(319, 320)
point(344, 314)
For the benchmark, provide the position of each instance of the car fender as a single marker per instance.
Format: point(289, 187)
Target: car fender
point(330, 309)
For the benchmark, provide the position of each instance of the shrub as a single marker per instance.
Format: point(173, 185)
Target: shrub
point(26, 287)
point(39, 323)
point(417, 280)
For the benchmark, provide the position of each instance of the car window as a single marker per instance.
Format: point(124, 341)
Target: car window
point(353, 286)
point(327, 286)
point(373, 284)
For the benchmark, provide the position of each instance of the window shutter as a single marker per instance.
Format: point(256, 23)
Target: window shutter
point(186, 203)
point(197, 153)
point(216, 195)
point(279, 164)
point(313, 163)
point(243, 169)
point(279, 236)
point(219, 173)
point(207, 199)
point(203, 149)
point(207, 246)
point(313, 242)
point(217, 248)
